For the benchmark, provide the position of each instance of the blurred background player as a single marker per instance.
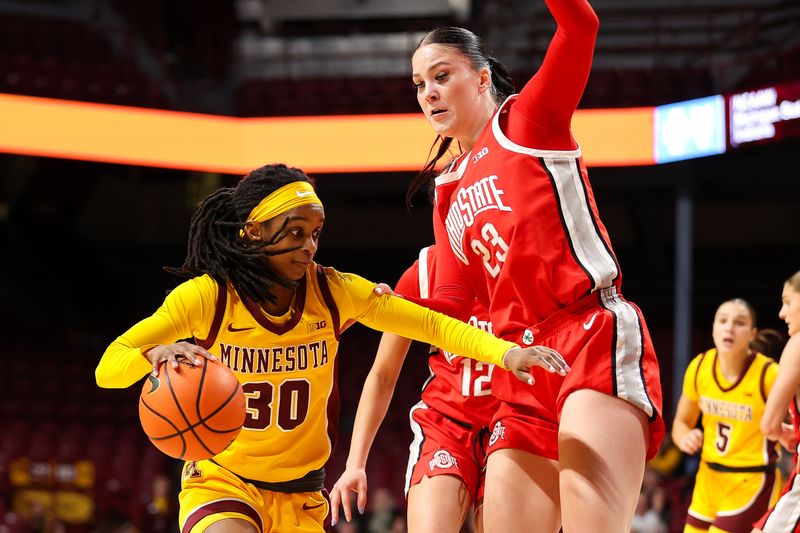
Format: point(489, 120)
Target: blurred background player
point(728, 385)
point(450, 424)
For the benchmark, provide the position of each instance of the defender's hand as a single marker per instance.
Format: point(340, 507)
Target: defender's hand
point(353, 480)
point(520, 360)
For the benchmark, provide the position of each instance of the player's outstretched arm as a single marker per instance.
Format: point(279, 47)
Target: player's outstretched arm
point(372, 407)
point(543, 112)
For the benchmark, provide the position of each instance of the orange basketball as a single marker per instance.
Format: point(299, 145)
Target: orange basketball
point(192, 412)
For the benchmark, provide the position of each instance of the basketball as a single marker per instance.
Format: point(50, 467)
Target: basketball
point(192, 412)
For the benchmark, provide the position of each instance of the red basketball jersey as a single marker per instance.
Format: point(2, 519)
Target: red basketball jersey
point(523, 224)
point(795, 416)
point(458, 387)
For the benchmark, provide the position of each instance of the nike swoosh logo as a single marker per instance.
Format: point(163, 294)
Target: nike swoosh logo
point(303, 194)
point(234, 330)
point(588, 325)
point(306, 507)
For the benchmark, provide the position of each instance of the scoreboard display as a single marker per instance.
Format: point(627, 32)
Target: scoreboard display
point(763, 115)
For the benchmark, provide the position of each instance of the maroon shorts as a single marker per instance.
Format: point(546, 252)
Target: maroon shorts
point(605, 341)
point(784, 516)
point(443, 446)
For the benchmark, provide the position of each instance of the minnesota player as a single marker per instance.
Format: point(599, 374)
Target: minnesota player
point(517, 218)
point(729, 385)
point(447, 456)
point(784, 517)
point(258, 303)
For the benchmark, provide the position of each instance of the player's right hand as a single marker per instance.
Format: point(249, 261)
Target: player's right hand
point(171, 353)
point(520, 361)
point(351, 480)
point(692, 442)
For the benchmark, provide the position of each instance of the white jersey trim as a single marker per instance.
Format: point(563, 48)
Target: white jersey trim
point(415, 448)
point(424, 282)
point(455, 175)
point(508, 144)
point(787, 511)
point(628, 351)
point(591, 252)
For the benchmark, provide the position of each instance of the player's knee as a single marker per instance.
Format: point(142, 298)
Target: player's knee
point(231, 525)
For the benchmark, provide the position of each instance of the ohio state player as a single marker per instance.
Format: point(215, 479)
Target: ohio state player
point(450, 423)
point(518, 220)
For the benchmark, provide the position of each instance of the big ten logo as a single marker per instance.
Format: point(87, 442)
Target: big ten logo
point(480, 154)
point(315, 326)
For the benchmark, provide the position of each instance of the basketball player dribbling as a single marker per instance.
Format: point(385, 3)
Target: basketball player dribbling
point(258, 303)
point(450, 424)
point(517, 228)
point(729, 385)
point(784, 516)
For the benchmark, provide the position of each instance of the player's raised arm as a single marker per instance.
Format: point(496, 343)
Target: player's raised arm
point(542, 115)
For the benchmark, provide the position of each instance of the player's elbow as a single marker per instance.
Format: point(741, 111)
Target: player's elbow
point(771, 431)
point(106, 379)
point(592, 23)
point(384, 382)
point(102, 379)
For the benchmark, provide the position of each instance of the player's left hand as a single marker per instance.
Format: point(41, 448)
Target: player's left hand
point(520, 361)
point(351, 480)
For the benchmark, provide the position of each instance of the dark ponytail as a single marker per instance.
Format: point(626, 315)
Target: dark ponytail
point(768, 341)
point(471, 46)
point(215, 247)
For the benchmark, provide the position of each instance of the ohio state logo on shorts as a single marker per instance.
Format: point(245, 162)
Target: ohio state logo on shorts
point(498, 432)
point(443, 459)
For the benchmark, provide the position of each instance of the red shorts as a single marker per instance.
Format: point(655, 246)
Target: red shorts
point(605, 341)
point(443, 446)
point(784, 516)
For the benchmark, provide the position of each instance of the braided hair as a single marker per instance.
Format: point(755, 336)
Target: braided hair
point(471, 46)
point(215, 246)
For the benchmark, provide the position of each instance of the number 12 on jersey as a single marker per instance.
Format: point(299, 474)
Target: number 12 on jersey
point(476, 378)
